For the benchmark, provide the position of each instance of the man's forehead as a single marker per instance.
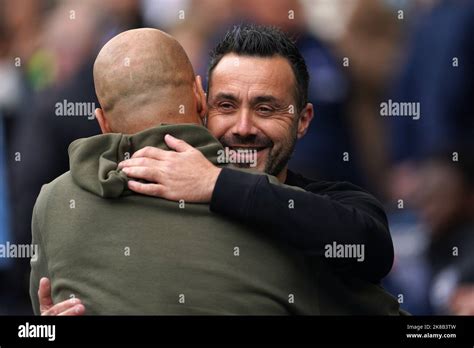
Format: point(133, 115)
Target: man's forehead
point(236, 74)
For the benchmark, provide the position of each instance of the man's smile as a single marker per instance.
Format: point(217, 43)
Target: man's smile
point(261, 151)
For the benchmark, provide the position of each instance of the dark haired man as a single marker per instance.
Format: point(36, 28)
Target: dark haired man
point(123, 253)
point(256, 103)
point(257, 100)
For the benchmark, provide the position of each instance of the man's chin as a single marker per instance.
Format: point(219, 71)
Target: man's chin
point(249, 166)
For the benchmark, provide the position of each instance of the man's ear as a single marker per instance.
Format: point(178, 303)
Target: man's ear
point(200, 96)
point(103, 123)
point(305, 120)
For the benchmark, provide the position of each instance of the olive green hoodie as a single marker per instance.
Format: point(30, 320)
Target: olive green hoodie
point(124, 253)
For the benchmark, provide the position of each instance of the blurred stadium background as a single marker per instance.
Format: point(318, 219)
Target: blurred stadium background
point(360, 53)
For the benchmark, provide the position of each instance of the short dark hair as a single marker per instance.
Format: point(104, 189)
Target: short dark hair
point(264, 41)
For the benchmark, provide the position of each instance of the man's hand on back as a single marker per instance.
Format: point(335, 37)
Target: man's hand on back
point(47, 307)
point(183, 174)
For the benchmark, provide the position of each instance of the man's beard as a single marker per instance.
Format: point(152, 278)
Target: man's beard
point(276, 161)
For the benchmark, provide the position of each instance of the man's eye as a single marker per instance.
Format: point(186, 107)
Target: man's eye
point(226, 106)
point(264, 109)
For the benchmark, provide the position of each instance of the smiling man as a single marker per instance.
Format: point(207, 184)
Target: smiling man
point(258, 100)
point(257, 110)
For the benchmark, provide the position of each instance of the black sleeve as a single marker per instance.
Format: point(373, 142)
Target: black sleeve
point(312, 219)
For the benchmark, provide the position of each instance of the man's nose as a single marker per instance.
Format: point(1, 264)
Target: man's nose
point(244, 125)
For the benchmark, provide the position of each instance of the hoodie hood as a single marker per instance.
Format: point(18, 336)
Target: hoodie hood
point(93, 161)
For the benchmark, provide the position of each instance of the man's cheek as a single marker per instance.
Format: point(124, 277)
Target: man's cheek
point(216, 132)
point(217, 127)
point(262, 159)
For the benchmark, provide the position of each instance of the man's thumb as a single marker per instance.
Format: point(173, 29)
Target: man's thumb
point(176, 144)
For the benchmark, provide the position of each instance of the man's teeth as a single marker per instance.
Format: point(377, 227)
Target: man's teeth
point(247, 148)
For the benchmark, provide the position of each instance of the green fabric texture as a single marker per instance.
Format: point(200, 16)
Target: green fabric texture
point(97, 172)
point(129, 254)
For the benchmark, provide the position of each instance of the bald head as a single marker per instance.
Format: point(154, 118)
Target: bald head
point(142, 78)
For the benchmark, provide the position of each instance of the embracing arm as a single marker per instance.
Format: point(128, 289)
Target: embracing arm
point(309, 220)
point(322, 213)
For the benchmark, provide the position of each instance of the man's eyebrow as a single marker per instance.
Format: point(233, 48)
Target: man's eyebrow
point(264, 99)
point(226, 96)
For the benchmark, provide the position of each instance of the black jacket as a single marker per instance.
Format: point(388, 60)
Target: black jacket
point(327, 212)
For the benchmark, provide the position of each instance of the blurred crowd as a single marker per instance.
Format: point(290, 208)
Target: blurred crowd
point(360, 53)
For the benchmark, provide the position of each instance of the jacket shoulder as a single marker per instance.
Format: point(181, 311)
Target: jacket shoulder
point(55, 186)
point(59, 186)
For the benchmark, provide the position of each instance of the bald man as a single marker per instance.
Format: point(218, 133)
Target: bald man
point(143, 78)
point(123, 253)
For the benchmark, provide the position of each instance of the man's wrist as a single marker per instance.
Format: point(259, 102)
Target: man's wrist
point(215, 172)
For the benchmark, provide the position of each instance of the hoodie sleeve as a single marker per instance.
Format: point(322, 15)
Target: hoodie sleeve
point(310, 220)
point(39, 268)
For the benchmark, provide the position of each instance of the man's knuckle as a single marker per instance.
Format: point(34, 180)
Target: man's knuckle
point(148, 150)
